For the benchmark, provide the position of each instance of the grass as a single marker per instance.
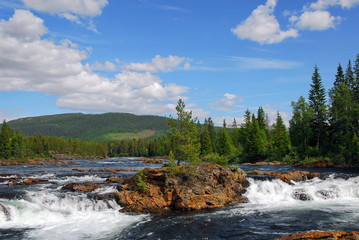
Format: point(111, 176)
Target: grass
point(124, 136)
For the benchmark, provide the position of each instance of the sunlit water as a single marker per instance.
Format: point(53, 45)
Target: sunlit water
point(275, 208)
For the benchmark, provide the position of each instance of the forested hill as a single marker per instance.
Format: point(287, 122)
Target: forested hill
point(92, 127)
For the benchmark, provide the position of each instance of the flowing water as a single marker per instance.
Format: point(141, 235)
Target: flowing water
point(45, 211)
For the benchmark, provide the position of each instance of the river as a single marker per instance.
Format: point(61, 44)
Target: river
point(45, 211)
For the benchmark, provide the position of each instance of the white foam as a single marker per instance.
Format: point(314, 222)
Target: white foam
point(65, 217)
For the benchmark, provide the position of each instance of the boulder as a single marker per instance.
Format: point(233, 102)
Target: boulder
point(82, 187)
point(184, 188)
point(288, 177)
point(330, 235)
point(114, 180)
point(151, 160)
point(318, 164)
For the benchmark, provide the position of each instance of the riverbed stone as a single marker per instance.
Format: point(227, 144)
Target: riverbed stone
point(184, 188)
point(330, 235)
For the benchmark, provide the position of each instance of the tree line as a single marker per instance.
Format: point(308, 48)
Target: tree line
point(13, 145)
point(325, 126)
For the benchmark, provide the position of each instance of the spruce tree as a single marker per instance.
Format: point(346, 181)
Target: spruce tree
point(317, 102)
point(280, 138)
point(224, 143)
point(300, 126)
point(6, 136)
point(184, 135)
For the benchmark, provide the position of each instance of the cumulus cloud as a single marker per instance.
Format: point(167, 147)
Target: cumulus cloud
point(106, 66)
point(316, 20)
point(324, 4)
point(17, 26)
point(81, 7)
point(158, 64)
point(225, 104)
point(78, 11)
point(30, 63)
point(263, 27)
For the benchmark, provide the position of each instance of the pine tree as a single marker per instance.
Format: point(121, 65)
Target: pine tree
point(206, 142)
point(300, 126)
point(349, 75)
point(184, 135)
point(342, 120)
point(224, 142)
point(339, 77)
point(212, 133)
point(6, 136)
point(280, 138)
point(318, 104)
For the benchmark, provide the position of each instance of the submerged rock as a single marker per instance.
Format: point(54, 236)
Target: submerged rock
point(183, 188)
point(288, 177)
point(330, 235)
point(82, 187)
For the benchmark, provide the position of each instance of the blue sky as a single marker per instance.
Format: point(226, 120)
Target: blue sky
point(141, 56)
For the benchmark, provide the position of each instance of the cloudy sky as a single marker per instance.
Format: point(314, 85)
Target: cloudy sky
point(141, 56)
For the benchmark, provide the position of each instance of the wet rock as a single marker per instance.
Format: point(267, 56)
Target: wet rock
point(273, 163)
point(114, 180)
point(30, 181)
point(184, 188)
point(22, 181)
point(330, 235)
point(82, 187)
point(151, 160)
point(327, 194)
point(6, 212)
point(301, 195)
point(288, 177)
point(318, 164)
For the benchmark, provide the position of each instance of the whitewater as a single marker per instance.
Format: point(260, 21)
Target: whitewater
point(274, 208)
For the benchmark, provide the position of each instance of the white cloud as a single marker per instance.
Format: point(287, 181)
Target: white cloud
point(324, 4)
point(158, 64)
point(262, 63)
point(263, 27)
point(225, 104)
point(80, 7)
point(315, 20)
point(30, 63)
point(78, 11)
point(17, 26)
point(106, 66)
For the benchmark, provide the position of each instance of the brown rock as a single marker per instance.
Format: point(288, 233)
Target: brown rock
point(82, 187)
point(114, 180)
point(151, 160)
point(195, 187)
point(331, 235)
point(319, 164)
point(288, 177)
point(30, 181)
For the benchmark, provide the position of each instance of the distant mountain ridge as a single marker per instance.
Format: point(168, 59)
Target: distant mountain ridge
point(92, 127)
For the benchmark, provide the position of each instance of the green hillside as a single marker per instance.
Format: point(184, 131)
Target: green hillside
point(92, 127)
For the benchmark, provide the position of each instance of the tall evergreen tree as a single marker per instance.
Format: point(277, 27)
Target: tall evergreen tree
point(224, 142)
point(349, 75)
point(317, 102)
point(184, 135)
point(342, 120)
point(206, 142)
point(300, 126)
point(6, 136)
point(339, 77)
point(280, 138)
point(212, 133)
